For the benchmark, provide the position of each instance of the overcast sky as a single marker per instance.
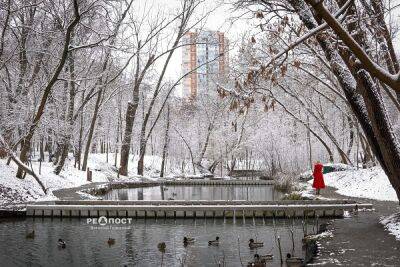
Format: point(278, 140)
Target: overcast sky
point(223, 19)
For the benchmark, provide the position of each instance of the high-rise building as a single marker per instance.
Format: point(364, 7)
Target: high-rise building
point(205, 52)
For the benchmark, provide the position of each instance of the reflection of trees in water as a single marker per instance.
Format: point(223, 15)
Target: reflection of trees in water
point(229, 192)
point(138, 246)
point(197, 192)
point(123, 195)
point(140, 194)
point(162, 192)
point(129, 250)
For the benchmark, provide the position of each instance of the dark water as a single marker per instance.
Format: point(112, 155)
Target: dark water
point(136, 244)
point(229, 192)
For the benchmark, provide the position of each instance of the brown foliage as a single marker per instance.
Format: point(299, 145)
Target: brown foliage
point(3, 153)
point(259, 14)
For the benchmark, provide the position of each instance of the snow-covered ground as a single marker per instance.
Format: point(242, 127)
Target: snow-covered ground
point(392, 224)
point(13, 190)
point(365, 183)
point(369, 183)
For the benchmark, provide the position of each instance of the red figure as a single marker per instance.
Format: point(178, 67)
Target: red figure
point(318, 182)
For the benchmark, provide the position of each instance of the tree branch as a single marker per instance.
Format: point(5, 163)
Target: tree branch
point(392, 80)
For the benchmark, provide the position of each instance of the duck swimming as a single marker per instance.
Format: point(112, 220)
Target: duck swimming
point(61, 243)
point(30, 235)
point(110, 241)
point(253, 244)
point(293, 261)
point(188, 240)
point(214, 242)
point(263, 258)
point(162, 247)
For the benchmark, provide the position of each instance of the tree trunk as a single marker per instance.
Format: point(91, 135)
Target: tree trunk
point(143, 138)
point(379, 133)
point(142, 148)
point(79, 152)
point(165, 148)
point(47, 90)
point(126, 142)
point(351, 137)
point(130, 115)
point(91, 130)
point(41, 149)
point(70, 117)
point(204, 149)
point(388, 143)
point(117, 137)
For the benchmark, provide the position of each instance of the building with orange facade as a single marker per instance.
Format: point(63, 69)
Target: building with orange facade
point(205, 55)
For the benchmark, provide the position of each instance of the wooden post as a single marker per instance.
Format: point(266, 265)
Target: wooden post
point(89, 175)
point(40, 166)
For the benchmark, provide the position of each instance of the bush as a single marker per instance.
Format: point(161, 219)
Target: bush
point(294, 196)
point(284, 182)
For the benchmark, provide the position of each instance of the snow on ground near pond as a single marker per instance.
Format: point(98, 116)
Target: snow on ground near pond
point(392, 224)
point(365, 183)
point(14, 190)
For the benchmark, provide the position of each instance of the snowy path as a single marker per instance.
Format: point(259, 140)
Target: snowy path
point(360, 240)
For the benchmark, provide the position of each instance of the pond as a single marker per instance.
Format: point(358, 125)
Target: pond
point(215, 192)
point(136, 243)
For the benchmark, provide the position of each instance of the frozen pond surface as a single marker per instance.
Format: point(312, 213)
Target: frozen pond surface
point(229, 192)
point(136, 243)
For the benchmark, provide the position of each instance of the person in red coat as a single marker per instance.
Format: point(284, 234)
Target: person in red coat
point(318, 182)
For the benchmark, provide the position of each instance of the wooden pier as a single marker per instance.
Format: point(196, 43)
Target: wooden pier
point(193, 209)
point(217, 182)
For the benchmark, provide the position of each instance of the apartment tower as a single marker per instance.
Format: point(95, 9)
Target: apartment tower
point(206, 54)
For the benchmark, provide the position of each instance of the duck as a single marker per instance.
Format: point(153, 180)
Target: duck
point(253, 244)
point(293, 261)
point(111, 241)
point(214, 242)
point(264, 258)
point(188, 240)
point(161, 247)
point(61, 243)
point(171, 198)
point(30, 235)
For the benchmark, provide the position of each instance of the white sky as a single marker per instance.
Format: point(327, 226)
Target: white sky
point(218, 20)
point(222, 19)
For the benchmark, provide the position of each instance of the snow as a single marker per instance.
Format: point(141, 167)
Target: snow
point(325, 234)
point(14, 190)
point(362, 183)
point(392, 224)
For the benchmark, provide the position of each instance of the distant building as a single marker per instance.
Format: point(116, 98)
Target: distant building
point(199, 48)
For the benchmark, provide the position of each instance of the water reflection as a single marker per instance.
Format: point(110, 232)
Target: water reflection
point(136, 245)
point(232, 192)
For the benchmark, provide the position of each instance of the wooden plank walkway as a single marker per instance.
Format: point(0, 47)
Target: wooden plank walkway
point(190, 182)
point(218, 182)
point(192, 209)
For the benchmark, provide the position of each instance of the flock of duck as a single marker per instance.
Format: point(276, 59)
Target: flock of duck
point(61, 243)
point(259, 260)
